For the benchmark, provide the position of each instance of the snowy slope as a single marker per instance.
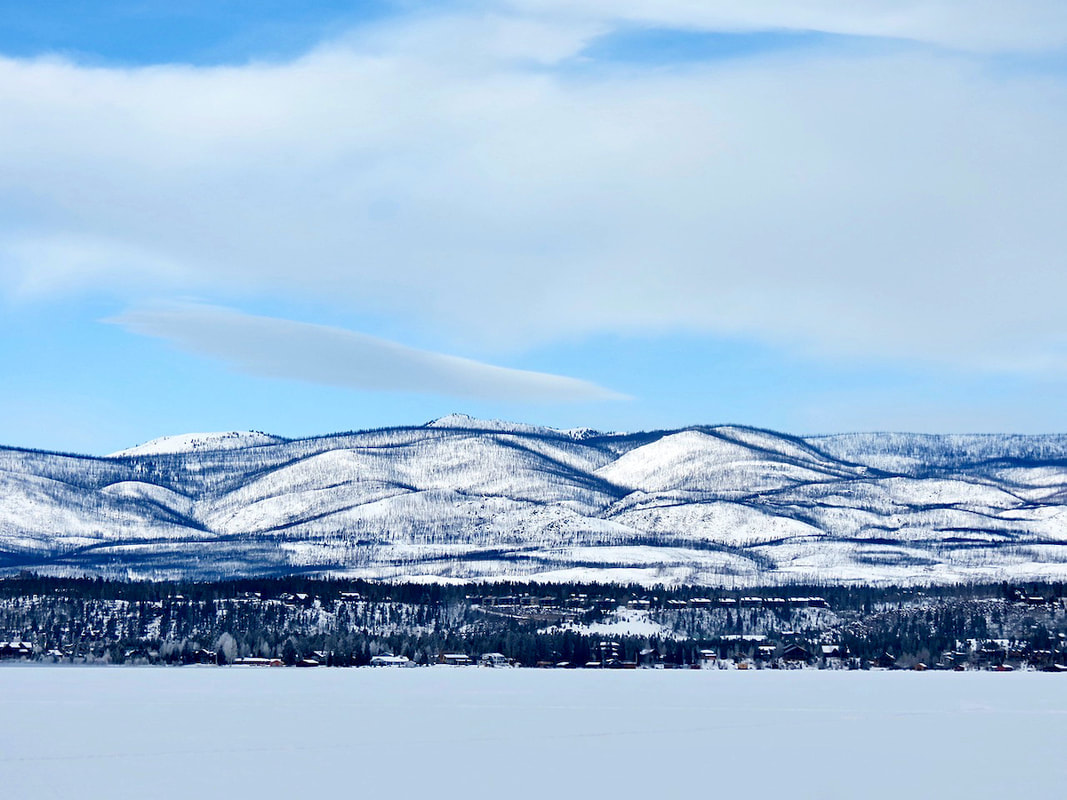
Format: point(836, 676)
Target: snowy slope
point(461, 498)
point(466, 422)
point(187, 442)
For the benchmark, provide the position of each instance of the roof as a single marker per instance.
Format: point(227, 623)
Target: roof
point(389, 659)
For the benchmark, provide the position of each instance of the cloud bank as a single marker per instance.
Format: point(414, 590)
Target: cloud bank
point(279, 348)
point(477, 173)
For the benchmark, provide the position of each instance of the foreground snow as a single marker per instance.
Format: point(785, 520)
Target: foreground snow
point(444, 732)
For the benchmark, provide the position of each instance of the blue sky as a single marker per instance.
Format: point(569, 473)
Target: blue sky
point(311, 217)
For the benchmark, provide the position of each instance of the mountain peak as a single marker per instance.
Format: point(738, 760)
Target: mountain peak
point(188, 442)
point(465, 421)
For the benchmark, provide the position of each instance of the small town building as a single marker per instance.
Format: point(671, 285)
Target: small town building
point(796, 653)
point(648, 658)
point(707, 658)
point(455, 659)
point(389, 660)
point(16, 649)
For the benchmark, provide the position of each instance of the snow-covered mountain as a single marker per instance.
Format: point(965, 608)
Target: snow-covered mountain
point(460, 498)
point(200, 441)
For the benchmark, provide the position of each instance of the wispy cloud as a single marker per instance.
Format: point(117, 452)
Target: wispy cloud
point(280, 348)
point(1023, 25)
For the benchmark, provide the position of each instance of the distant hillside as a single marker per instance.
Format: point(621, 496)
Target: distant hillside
point(461, 499)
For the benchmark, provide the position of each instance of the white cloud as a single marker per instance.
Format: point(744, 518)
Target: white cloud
point(463, 173)
point(980, 25)
point(279, 348)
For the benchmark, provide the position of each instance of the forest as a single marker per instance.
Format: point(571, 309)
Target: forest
point(331, 622)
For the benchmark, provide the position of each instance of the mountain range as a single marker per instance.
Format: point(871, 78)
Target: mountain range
point(467, 499)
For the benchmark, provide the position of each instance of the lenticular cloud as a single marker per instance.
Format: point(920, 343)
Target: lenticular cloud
point(280, 348)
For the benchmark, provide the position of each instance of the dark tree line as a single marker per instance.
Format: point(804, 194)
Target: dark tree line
point(348, 622)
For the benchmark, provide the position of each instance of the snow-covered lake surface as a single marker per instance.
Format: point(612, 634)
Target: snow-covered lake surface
point(444, 732)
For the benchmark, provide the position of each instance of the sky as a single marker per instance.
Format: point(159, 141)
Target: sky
point(311, 217)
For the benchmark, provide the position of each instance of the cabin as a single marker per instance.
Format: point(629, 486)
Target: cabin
point(834, 651)
point(796, 654)
point(1039, 658)
point(455, 659)
point(992, 652)
point(886, 661)
point(389, 660)
point(16, 649)
point(648, 658)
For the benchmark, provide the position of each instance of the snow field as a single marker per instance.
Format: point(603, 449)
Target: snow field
point(454, 732)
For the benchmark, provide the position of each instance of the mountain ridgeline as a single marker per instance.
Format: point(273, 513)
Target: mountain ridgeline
point(466, 499)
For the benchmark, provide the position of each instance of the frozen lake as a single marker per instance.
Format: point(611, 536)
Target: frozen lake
point(441, 732)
